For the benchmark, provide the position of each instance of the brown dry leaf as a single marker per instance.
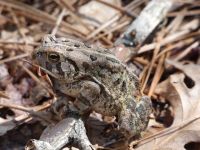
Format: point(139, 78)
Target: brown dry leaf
point(99, 11)
point(15, 98)
point(186, 104)
point(3, 20)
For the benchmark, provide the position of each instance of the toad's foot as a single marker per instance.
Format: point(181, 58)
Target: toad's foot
point(134, 118)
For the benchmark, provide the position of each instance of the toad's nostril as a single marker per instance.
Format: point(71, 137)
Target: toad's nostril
point(36, 54)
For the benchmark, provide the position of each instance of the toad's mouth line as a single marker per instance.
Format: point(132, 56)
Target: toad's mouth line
point(57, 77)
point(44, 71)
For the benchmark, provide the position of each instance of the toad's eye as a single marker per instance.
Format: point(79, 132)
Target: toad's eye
point(53, 57)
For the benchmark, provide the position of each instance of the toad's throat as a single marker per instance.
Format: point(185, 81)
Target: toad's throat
point(61, 78)
point(49, 73)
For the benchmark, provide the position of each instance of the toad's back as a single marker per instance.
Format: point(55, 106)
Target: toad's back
point(100, 64)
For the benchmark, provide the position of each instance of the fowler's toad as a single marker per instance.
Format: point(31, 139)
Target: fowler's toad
point(96, 79)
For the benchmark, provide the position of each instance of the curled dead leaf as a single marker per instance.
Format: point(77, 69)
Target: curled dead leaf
point(185, 101)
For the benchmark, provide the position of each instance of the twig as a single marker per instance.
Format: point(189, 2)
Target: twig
point(103, 26)
point(6, 60)
point(187, 13)
point(122, 10)
point(67, 5)
point(119, 26)
point(141, 61)
point(186, 51)
point(19, 43)
point(72, 12)
point(36, 79)
point(16, 21)
point(165, 132)
point(134, 5)
point(194, 2)
point(169, 39)
point(145, 23)
point(24, 117)
point(30, 111)
point(158, 73)
point(152, 61)
point(59, 20)
point(38, 15)
point(176, 45)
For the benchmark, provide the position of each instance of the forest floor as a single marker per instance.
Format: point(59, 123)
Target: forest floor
point(166, 59)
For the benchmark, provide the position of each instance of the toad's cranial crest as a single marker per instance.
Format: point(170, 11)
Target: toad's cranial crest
point(96, 79)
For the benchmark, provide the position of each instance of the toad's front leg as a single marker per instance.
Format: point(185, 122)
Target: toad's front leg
point(88, 96)
point(68, 128)
point(134, 118)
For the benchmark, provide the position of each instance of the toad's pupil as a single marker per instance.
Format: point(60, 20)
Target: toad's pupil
point(54, 57)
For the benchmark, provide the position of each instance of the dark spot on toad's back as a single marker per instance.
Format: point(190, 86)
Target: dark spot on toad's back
point(69, 49)
point(93, 58)
point(86, 65)
point(112, 60)
point(76, 45)
point(87, 45)
point(123, 86)
point(117, 82)
point(65, 40)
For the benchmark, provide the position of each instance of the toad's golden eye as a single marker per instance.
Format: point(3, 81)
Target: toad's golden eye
point(53, 57)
